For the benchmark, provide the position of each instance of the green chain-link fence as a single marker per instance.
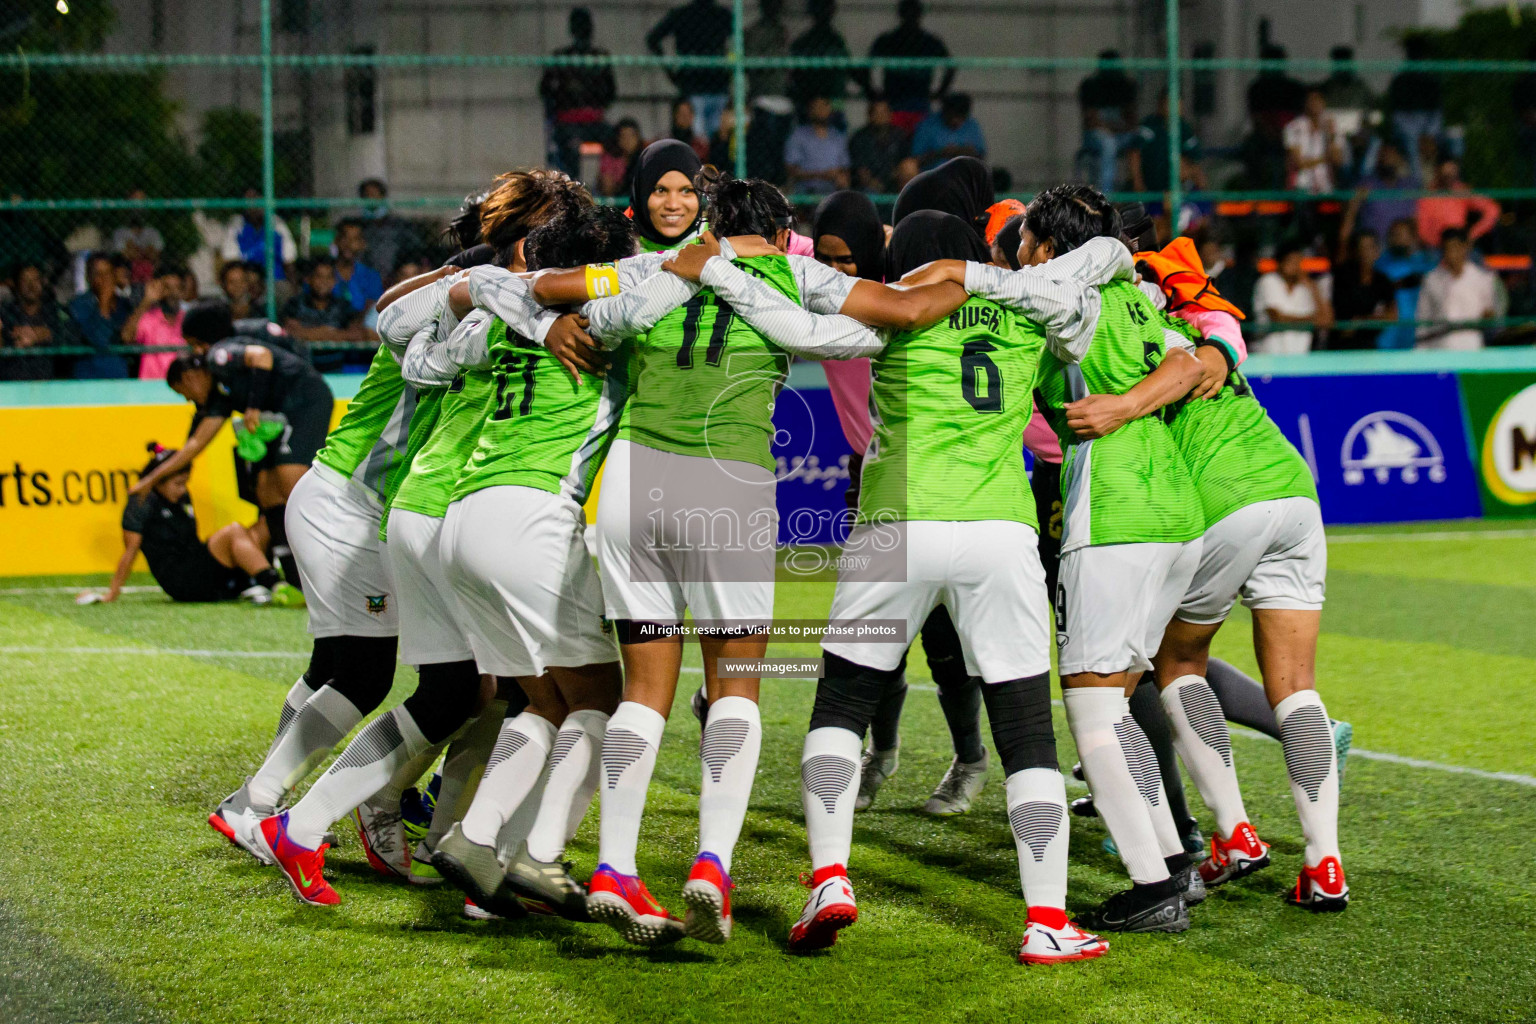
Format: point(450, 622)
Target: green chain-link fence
point(239, 141)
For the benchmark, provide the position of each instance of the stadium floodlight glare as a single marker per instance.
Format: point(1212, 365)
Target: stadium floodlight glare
point(62, 6)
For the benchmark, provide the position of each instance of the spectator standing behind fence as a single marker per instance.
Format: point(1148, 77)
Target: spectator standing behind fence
point(356, 282)
point(387, 236)
point(618, 162)
point(1459, 209)
point(576, 99)
point(683, 128)
point(1404, 263)
point(1360, 290)
point(1313, 150)
point(911, 92)
point(767, 37)
point(1148, 152)
point(156, 320)
point(822, 39)
point(880, 152)
point(949, 132)
point(1392, 174)
point(235, 282)
point(698, 29)
point(1288, 296)
point(816, 154)
point(317, 313)
point(31, 318)
point(1107, 100)
point(1413, 100)
point(99, 315)
point(245, 239)
point(138, 243)
point(1457, 289)
point(1350, 102)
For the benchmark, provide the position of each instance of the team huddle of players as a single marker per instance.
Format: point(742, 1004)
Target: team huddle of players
point(442, 524)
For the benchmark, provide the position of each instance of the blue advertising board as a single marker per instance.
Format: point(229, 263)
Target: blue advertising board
point(1385, 448)
point(812, 458)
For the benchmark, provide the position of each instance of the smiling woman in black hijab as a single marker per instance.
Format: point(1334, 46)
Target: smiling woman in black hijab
point(848, 235)
point(666, 207)
point(928, 235)
point(961, 186)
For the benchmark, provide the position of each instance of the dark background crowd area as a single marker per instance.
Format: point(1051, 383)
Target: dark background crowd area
point(1334, 259)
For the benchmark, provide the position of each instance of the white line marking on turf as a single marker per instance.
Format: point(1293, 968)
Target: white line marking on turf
point(155, 651)
point(1373, 538)
point(1411, 762)
point(22, 591)
point(1369, 755)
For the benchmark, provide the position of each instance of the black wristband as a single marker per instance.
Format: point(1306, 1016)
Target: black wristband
point(1219, 346)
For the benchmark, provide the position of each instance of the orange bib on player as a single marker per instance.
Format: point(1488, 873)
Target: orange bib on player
point(1181, 274)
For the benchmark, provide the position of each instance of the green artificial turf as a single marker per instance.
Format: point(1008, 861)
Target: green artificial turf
point(119, 903)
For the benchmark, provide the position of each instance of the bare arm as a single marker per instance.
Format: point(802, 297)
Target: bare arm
point(1098, 415)
point(903, 309)
point(184, 455)
point(131, 543)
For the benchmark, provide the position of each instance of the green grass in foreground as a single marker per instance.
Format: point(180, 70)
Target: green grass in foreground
point(118, 903)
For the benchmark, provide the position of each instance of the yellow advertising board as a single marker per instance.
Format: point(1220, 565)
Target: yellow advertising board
point(65, 472)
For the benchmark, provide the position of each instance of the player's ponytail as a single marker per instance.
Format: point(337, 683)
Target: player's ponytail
point(521, 201)
point(158, 454)
point(743, 206)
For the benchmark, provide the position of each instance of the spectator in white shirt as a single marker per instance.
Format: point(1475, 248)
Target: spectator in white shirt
point(1289, 296)
point(1457, 289)
point(1312, 148)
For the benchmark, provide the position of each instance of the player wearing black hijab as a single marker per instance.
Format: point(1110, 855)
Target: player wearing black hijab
point(666, 208)
point(961, 186)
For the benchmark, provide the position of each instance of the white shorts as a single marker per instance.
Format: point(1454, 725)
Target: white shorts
point(988, 575)
point(517, 562)
point(1113, 603)
point(334, 533)
point(1272, 553)
point(677, 532)
point(431, 630)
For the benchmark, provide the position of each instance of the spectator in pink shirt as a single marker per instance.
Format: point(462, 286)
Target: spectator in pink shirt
point(1461, 209)
point(157, 321)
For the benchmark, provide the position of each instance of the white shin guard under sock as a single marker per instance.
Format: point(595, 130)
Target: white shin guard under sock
point(628, 759)
point(468, 752)
point(1037, 811)
point(310, 736)
point(829, 785)
point(1306, 736)
point(728, 751)
point(370, 761)
point(515, 764)
point(1122, 772)
point(577, 750)
point(1204, 745)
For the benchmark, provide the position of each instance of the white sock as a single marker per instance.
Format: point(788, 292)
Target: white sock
point(829, 784)
point(1037, 810)
point(728, 753)
point(468, 752)
point(578, 748)
point(1312, 764)
point(628, 759)
point(1169, 842)
point(293, 703)
point(1200, 736)
point(515, 764)
point(313, 733)
point(368, 763)
point(1122, 772)
point(588, 788)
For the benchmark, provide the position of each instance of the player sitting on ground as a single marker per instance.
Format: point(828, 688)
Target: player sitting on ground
point(163, 526)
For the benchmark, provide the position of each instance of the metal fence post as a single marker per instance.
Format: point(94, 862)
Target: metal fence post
point(268, 175)
point(1175, 146)
point(739, 86)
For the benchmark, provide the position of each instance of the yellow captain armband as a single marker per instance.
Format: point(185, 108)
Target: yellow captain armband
point(602, 281)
